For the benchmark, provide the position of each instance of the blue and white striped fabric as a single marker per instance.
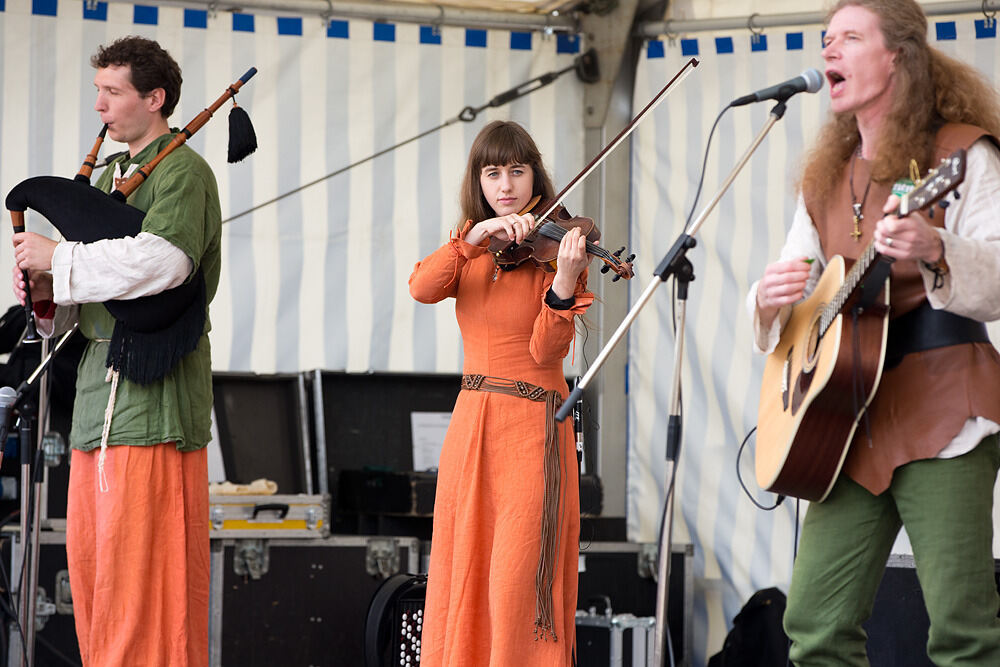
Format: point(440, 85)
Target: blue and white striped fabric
point(317, 280)
point(739, 549)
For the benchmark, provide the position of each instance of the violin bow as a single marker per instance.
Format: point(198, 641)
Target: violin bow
point(682, 74)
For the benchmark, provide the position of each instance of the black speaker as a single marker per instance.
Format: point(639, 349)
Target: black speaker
point(898, 627)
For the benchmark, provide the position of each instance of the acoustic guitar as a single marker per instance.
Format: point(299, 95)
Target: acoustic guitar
point(825, 371)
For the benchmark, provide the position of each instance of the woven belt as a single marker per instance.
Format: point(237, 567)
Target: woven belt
point(532, 392)
point(552, 500)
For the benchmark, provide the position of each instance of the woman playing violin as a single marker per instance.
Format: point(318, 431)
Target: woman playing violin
point(503, 568)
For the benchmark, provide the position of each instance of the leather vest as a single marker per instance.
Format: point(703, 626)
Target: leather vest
point(923, 402)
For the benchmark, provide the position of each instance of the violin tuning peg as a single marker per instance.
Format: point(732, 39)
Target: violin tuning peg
point(944, 203)
point(957, 196)
point(616, 278)
point(930, 213)
point(604, 269)
point(630, 257)
point(618, 253)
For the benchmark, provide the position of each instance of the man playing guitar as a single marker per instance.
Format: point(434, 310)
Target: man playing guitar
point(924, 453)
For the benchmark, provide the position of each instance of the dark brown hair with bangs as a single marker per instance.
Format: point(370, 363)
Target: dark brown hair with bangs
point(930, 89)
point(499, 144)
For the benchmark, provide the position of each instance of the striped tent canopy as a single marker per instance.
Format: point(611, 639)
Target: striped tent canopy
point(318, 279)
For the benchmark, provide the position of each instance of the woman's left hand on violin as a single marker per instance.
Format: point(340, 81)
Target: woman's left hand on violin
point(570, 263)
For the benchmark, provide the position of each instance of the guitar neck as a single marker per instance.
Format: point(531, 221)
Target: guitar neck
point(867, 262)
point(940, 182)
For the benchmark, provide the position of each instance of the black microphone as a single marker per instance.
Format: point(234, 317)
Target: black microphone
point(578, 430)
point(104, 162)
point(809, 81)
point(7, 398)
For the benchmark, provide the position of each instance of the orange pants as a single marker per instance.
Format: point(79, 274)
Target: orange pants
point(139, 557)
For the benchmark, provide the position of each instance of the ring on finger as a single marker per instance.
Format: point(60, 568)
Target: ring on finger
point(888, 241)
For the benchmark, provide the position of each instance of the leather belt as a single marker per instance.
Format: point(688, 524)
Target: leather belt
point(925, 328)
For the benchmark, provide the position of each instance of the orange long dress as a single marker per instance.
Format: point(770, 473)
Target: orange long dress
point(481, 604)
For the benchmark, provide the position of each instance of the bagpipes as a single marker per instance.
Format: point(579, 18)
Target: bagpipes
point(152, 333)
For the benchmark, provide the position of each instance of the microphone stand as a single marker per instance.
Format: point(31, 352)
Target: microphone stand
point(32, 472)
point(674, 263)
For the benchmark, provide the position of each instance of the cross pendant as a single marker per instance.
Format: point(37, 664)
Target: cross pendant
point(856, 234)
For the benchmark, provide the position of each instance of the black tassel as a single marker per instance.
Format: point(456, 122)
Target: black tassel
point(242, 138)
point(147, 357)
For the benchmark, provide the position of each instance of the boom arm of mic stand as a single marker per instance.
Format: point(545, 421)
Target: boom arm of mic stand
point(667, 266)
point(37, 373)
point(674, 263)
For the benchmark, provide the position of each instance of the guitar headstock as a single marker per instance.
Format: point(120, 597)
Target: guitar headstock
point(939, 181)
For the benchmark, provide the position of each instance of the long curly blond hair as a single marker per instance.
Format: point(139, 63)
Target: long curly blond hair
point(931, 89)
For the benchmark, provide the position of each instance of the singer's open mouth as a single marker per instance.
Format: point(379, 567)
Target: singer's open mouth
point(834, 77)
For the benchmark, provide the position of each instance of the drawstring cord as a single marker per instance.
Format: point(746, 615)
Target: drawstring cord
point(111, 377)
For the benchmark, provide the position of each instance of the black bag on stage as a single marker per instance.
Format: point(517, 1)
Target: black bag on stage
point(757, 638)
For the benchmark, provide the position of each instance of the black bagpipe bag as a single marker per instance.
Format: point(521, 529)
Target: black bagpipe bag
point(152, 333)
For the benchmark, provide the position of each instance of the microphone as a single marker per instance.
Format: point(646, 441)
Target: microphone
point(809, 81)
point(578, 429)
point(104, 162)
point(7, 398)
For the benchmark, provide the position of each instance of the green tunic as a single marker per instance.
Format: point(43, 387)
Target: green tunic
point(181, 202)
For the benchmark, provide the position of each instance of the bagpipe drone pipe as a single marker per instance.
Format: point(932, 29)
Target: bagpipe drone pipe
point(152, 333)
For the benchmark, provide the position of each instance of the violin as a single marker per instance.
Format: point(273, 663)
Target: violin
point(553, 221)
point(541, 244)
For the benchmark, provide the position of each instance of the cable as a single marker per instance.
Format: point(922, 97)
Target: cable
point(8, 604)
point(739, 476)
point(704, 165)
point(586, 339)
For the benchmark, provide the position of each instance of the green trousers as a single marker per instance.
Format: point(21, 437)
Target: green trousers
point(946, 507)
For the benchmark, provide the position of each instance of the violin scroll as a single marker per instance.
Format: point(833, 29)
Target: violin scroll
point(627, 262)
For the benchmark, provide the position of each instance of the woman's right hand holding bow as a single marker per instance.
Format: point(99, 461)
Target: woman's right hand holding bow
point(512, 227)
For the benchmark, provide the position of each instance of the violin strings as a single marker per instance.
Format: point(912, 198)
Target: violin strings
point(553, 231)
